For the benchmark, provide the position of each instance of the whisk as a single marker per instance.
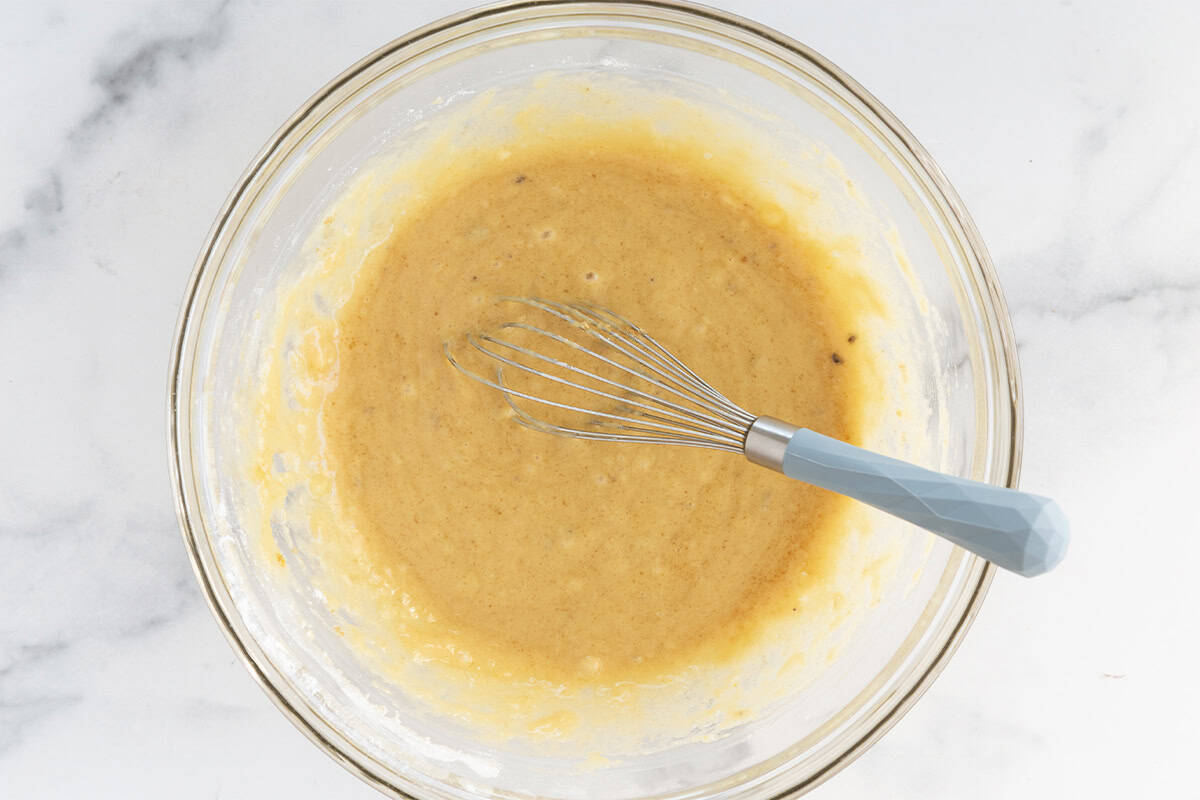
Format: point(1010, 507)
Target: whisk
point(596, 375)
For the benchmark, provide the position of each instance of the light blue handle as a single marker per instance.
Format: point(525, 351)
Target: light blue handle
point(1021, 532)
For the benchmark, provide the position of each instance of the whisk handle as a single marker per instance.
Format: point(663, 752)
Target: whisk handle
point(1022, 532)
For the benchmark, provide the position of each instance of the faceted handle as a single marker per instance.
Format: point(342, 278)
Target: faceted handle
point(1021, 532)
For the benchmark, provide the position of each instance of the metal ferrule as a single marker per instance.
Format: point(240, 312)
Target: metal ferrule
point(767, 440)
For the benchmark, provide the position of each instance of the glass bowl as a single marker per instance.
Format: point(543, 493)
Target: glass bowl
point(968, 365)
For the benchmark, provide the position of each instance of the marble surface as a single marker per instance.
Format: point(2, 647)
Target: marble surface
point(1071, 129)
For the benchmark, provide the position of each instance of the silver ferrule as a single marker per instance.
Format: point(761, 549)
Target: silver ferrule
point(767, 440)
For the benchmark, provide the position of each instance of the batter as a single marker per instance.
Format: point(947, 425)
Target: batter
point(522, 555)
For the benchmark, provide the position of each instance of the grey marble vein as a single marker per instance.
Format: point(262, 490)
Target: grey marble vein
point(127, 76)
point(122, 76)
point(1179, 297)
point(18, 716)
point(71, 515)
point(23, 706)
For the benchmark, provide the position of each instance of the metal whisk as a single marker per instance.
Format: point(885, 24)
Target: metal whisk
point(596, 375)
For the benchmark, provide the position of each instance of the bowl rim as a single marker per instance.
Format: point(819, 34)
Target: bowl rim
point(184, 343)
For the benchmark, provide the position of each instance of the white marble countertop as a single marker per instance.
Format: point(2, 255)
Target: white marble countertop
point(1071, 129)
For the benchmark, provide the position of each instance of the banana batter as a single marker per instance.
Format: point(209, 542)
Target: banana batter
point(522, 555)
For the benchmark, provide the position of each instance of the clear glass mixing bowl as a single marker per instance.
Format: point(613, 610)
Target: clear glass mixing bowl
point(968, 357)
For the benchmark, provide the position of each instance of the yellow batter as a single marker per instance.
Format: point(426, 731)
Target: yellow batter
point(529, 556)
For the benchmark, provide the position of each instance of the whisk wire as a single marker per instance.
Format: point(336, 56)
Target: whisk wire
point(669, 403)
point(663, 434)
point(672, 364)
point(597, 322)
point(678, 424)
point(636, 434)
point(656, 399)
